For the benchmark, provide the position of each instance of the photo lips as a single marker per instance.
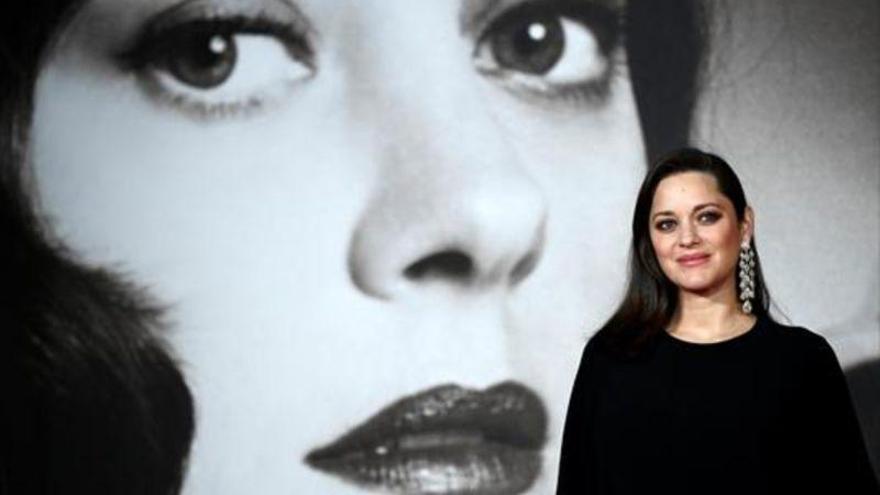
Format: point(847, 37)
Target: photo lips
point(446, 439)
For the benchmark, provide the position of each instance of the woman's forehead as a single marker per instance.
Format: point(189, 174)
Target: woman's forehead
point(687, 188)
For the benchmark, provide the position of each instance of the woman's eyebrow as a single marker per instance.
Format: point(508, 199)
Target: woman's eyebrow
point(664, 213)
point(705, 205)
point(695, 209)
point(475, 14)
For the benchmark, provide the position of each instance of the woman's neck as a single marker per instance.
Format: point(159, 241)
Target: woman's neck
point(706, 318)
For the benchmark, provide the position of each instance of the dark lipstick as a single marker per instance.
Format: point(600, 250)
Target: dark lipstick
point(445, 440)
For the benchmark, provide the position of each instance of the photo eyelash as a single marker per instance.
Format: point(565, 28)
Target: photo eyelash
point(156, 39)
point(157, 49)
point(203, 111)
point(605, 24)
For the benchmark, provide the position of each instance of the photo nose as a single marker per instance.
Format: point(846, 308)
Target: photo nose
point(453, 208)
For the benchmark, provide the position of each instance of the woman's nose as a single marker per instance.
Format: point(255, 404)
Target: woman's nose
point(453, 208)
point(688, 235)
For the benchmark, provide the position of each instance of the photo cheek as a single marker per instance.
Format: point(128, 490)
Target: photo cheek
point(229, 226)
point(588, 165)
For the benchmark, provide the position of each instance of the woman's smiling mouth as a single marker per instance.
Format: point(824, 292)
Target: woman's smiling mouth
point(693, 259)
point(445, 440)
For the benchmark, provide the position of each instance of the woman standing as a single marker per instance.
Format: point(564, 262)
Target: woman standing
point(691, 387)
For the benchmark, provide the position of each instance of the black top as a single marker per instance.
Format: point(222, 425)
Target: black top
point(765, 412)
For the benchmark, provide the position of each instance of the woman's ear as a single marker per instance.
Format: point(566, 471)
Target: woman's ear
point(747, 226)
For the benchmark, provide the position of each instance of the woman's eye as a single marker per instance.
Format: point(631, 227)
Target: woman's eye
point(549, 50)
point(709, 217)
point(665, 225)
point(220, 67)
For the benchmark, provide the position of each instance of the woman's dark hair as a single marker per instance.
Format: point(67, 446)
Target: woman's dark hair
point(651, 298)
point(94, 403)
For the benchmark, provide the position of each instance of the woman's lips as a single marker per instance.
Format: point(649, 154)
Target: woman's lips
point(445, 440)
point(693, 259)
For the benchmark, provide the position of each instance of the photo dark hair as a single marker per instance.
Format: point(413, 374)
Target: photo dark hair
point(94, 402)
point(651, 298)
point(666, 43)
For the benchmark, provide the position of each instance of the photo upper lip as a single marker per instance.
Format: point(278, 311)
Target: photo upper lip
point(444, 440)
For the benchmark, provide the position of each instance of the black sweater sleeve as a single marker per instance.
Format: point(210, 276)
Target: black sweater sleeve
point(841, 456)
point(574, 463)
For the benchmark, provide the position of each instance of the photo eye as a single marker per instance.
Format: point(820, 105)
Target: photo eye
point(220, 67)
point(549, 49)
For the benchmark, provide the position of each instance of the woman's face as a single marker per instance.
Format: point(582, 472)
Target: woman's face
point(695, 233)
point(348, 204)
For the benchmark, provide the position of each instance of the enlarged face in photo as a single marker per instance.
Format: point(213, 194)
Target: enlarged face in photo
point(381, 230)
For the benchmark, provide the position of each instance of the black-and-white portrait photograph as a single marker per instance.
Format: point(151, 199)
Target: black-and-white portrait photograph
point(458, 247)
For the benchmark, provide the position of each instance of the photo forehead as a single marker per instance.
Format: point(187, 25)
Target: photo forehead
point(112, 23)
point(475, 12)
point(471, 12)
point(99, 31)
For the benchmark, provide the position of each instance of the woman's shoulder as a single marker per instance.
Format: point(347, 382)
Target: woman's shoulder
point(792, 334)
point(798, 341)
point(619, 348)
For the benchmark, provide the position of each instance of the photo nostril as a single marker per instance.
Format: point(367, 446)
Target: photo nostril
point(451, 264)
point(524, 267)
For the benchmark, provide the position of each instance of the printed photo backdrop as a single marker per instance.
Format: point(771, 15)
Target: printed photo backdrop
point(374, 236)
point(792, 100)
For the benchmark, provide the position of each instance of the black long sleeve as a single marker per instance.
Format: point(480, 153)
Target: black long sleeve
point(574, 469)
point(766, 412)
point(836, 428)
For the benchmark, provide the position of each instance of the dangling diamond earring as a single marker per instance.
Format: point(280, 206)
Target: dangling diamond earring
point(746, 277)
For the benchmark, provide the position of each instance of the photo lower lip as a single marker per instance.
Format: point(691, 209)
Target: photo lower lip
point(482, 467)
point(445, 439)
point(693, 261)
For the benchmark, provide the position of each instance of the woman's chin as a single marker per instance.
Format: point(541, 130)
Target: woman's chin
point(698, 286)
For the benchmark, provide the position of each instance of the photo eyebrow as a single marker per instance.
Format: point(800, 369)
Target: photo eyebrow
point(289, 10)
point(475, 14)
